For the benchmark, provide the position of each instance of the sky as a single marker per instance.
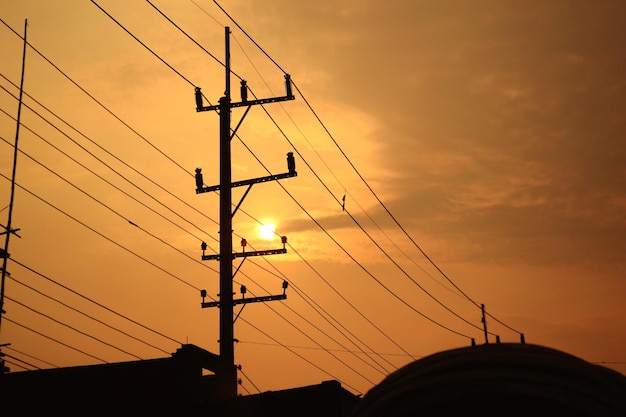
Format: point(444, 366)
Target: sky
point(479, 147)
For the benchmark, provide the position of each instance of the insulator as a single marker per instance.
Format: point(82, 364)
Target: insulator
point(285, 285)
point(199, 103)
point(283, 239)
point(203, 246)
point(199, 179)
point(244, 242)
point(244, 91)
point(522, 339)
point(288, 85)
point(243, 289)
point(497, 339)
point(473, 342)
point(291, 163)
point(203, 293)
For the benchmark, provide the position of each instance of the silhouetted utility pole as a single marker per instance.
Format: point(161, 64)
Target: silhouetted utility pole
point(8, 230)
point(227, 375)
point(484, 321)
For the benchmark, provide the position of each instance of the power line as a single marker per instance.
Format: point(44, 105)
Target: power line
point(357, 171)
point(335, 350)
point(54, 340)
point(106, 237)
point(21, 360)
point(109, 207)
point(89, 316)
point(102, 178)
point(18, 365)
point(71, 327)
point(249, 380)
point(189, 36)
point(98, 102)
point(143, 44)
point(317, 343)
point(111, 154)
point(30, 356)
point(41, 275)
point(249, 37)
point(319, 309)
point(352, 258)
point(297, 354)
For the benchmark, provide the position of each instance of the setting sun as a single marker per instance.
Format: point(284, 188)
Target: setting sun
point(266, 231)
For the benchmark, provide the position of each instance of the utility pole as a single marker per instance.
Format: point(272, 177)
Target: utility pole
point(227, 374)
point(484, 321)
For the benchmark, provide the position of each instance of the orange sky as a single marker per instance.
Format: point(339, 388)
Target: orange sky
point(492, 131)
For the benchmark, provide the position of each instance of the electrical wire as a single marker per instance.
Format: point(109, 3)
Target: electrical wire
point(249, 380)
point(72, 327)
point(356, 170)
point(352, 258)
point(123, 177)
point(145, 177)
point(189, 37)
point(30, 356)
point(97, 101)
point(143, 44)
point(90, 317)
point(335, 350)
point(41, 275)
point(18, 365)
point(172, 275)
point(21, 360)
point(107, 206)
point(53, 339)
point(317, 343)
point(297, 354)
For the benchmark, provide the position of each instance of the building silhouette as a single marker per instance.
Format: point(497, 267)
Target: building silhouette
point(487, 380)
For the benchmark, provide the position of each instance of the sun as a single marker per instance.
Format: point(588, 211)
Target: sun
point(266, 231)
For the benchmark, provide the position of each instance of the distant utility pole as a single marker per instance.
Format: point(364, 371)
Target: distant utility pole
point(8, 229)
point(227, 374)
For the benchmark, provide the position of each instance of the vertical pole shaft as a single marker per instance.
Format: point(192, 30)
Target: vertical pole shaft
point(9, 221)
point(482, 307)
point(228, 379)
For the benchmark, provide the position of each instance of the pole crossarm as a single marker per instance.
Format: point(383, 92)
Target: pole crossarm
point(200, 107)
point(251, 181)
point(247, 300)
point(246, 254)
point(247, 103)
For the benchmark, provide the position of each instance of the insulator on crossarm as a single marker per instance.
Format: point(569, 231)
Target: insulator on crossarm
point(199, 179)
point(288, 85)
point(244, 91)
point(199, 103)
point(291, 163)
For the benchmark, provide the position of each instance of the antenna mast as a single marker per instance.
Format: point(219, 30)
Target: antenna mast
point(4, 253)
